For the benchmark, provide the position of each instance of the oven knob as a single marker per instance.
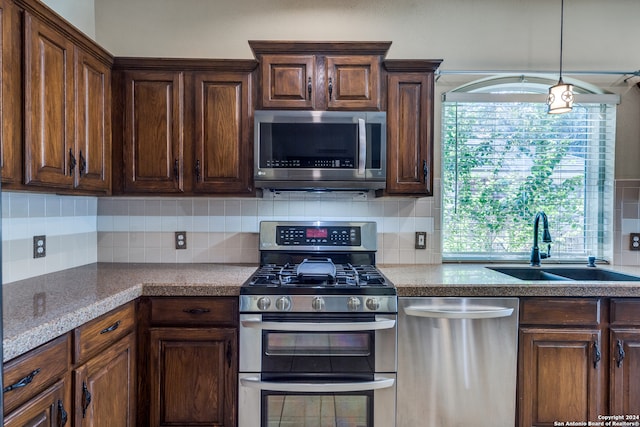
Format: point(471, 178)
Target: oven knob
point(283, 304)
point(263, 303)
point(317, 304)
point(353, 303)
point(373, 304)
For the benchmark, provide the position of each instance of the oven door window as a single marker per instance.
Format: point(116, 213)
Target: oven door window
point(322, 410)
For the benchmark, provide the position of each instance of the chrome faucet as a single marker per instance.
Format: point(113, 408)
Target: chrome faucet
point(546, 238)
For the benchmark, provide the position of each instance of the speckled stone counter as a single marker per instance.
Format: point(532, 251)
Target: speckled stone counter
point(39, 309)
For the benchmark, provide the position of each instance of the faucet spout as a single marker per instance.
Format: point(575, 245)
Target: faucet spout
point(536, 256)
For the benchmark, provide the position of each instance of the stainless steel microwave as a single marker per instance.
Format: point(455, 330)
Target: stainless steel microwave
point(320, 150)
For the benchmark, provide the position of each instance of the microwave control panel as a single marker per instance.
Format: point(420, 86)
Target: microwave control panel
point(318, 236)
point(311, 163)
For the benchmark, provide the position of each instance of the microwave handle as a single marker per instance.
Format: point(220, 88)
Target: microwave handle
point(362, 146)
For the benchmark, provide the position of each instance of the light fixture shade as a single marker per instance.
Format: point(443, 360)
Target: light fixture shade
point(560, 99)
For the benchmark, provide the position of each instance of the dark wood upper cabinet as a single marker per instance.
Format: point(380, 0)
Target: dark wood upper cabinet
point(410, 92)
point(320, 75)
point(10, 93)
point(153, 141)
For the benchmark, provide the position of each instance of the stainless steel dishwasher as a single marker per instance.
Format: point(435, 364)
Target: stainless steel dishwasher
point(457, 362)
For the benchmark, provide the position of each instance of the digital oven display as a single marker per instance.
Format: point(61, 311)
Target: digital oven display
point(317, 233)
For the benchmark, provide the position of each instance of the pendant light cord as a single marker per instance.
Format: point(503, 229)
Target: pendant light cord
point(561, 33)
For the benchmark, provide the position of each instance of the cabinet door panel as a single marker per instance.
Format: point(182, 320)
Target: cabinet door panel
point(353, 82)
point(625, 371)
point(49, 106)
point(93, 130)
point(154, 125)
point(286, 80)
point(10, 94)
point(223, 144)
point(557, 378)
point(105, 387)
point(49, 409)
point(193, 376)
point(410, 134)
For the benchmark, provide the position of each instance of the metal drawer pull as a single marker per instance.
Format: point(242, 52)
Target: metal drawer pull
point(376, 384)
point(196, 310)
point(62, 414)
point(23, 382)
point(86, 399)
point(621, 354)
point(111, 328)
point(325, 327)
point(597, 355)
point(458, 311)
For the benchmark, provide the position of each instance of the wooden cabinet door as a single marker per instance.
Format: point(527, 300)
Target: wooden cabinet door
point(289, 81)
point(50, 408)
point(560, 376)
point(153, 131)
point(353, 82)
point(223, 151)
point(105, 386)
point(49, 106)
point(10, 94)
point(624, 372)
point(410, 134)
point(193, 374)
point(93, 124)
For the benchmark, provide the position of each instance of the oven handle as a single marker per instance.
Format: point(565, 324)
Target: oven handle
point(378, 383)
point(318, 326)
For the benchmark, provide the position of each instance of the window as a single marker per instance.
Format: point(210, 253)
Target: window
point(505, 159)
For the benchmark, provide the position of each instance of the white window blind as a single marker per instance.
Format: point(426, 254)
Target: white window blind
point(505, 161)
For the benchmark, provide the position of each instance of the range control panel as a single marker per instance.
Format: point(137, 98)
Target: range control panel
point(318, 236)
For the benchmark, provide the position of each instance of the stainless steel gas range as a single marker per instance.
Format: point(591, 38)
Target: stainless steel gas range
point(317, 329)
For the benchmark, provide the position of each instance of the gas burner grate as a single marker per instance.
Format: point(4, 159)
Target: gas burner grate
point(346, 275)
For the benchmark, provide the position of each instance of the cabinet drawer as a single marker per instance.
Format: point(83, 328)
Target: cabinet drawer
point(29, 374)
point(194, 311)
point(625, 311)
point(103, 331)
point(560, 311)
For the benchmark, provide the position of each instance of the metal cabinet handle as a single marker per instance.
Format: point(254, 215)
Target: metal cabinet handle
point(196, 310)
point(62, 414)
point(379, 382)
point(110, 328)
point(309, 87)
point(175, 169)
point(620, 358)
point(425, 173)
point(86, 399)
point(72, 162)
point(197, 170)
point(458, 312)
point(324, 327)
point(597, 355)
point(330, 87)
point(83, 164)
point(229, 354)
point(22, 382)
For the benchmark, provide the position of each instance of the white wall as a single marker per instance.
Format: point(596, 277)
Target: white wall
point(81, 13)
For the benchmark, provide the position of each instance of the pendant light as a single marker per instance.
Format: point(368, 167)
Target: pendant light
point(560, 99)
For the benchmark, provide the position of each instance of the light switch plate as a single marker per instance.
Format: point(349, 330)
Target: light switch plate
point(421, 240)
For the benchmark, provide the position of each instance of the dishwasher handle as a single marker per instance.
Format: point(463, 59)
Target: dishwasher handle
point(445, 311)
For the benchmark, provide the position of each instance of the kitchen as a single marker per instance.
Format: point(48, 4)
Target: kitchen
point(232, 222)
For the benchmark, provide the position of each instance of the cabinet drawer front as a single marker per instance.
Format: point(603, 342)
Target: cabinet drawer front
point(560, 311)
point(625, 311)
point(103, 331)
point(27, 375)
point(194, 311)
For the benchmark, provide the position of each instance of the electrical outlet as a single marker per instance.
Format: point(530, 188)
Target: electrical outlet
point(181, 240)
point(39, 246)
point(634, 242)
point(421, 240)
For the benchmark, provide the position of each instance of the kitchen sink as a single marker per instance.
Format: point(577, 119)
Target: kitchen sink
point(565, 273)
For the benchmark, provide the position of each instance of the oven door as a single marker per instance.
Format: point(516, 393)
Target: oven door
point(287, 346)
point(336, 404)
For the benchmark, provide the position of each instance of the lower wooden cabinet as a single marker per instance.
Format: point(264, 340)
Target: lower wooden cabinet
point(624, 363)
point(194, 376)
point(104, 387)
point(48, 409)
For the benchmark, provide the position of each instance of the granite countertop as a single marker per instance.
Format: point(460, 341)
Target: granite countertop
point(39, 309)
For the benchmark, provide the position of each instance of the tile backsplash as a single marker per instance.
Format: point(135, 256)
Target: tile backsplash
point(83, 230)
